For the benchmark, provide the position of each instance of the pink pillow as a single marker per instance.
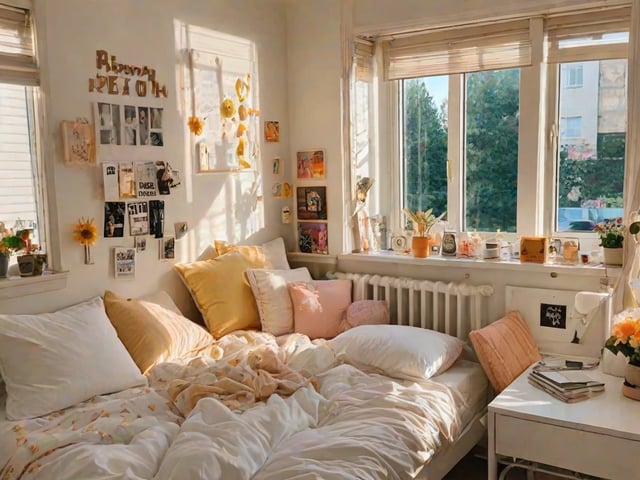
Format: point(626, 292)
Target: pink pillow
point(505, 348)
point(365, 312)
point(319, 306)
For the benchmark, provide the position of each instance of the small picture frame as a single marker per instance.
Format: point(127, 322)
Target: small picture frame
point(310, 164)
point(272, 131)
point(167, 248)
point(276, 167)
point(124, 262)
point(313, 238)
point(312, 203)
point(140, 243)
point(78, 143)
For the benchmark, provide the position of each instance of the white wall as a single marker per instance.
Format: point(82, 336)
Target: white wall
point(141, 32)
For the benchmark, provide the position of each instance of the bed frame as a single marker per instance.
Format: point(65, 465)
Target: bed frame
point(452, 308)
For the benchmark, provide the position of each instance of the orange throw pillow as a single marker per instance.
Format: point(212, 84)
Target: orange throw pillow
point(505, 348)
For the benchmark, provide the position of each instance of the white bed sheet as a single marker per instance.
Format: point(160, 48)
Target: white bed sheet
point(465, 377)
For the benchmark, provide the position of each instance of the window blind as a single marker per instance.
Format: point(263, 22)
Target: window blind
point(363, 59)
point(458, 50)
point(17, 53)
point(588, 36)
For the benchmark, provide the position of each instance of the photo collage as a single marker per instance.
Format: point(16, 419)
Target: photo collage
point(129, 125)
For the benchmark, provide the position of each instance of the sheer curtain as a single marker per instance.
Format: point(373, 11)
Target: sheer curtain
point(622, 297)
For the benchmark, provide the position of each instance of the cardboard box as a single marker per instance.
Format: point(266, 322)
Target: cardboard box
point(534, 249)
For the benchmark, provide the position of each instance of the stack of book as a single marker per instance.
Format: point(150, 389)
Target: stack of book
point(567, 385)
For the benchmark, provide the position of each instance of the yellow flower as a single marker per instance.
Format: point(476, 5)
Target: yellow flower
point(195, 125)
point(85, 232)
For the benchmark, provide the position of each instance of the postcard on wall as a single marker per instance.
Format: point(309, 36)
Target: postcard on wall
point(110, 181)
point(125, 262)
point(155, 135)
point(312, 203)
point(138, 218)
point(130, 125)
point(156, 218)
point(108, 124)
point(167, 248)
point(313, 238)
point(146, 179)
point(114, 219)
point(310, 164)
point(272, 131)
point(126, 180)
point(140, 243)
point(78, 142)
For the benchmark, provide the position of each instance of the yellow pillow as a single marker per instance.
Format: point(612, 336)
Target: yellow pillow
point(152, 333)
point(221, 293)
point(251, 252)
point(273, 252)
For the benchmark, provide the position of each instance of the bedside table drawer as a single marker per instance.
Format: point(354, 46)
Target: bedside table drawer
point(592, 453)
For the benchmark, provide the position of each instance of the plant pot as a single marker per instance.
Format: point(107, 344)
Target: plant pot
point(612, 256)
point(4, 265)
point(420, 246)
point(631, 387)
point(26, 265)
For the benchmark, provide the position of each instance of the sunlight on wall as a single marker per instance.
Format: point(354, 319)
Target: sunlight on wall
point(218, 78)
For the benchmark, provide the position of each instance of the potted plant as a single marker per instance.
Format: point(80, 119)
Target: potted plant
point(611, 234)
point(422, 223)
point(625, 338)
point(10, 243)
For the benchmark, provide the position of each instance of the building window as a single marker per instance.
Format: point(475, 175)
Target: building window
point(573, 76)
point(570, 128)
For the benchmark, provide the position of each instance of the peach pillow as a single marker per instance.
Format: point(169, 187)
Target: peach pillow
point(221, 293)
point(152, 333)
point(365, 312)
point(319, 306)
point(505, 348)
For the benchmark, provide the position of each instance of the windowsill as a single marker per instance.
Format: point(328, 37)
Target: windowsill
point(16, 286)
point(597, 270)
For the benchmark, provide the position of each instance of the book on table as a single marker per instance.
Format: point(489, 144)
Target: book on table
point(569, 385)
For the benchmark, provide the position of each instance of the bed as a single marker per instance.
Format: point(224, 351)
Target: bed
point(375, 401)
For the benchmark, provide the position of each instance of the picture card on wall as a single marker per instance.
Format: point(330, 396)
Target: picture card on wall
point(310, 164)
point(167, 248)
point(313, 238)
point(108, 123)
point(114, 219)
point(110, 181)
point(125, 262)
point(146, 179)
point(138, 218)
point(126, 180)
point(312, 203)
point(156, 218)
point(140, 243)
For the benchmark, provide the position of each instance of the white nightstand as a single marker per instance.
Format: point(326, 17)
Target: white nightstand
point(598, 437)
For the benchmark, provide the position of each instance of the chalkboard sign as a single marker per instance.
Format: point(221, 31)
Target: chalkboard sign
point(554, 316)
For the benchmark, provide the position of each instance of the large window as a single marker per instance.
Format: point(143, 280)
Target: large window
point(21, 204)
point(506, 125)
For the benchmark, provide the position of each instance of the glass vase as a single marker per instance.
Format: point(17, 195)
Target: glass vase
point(87, 255)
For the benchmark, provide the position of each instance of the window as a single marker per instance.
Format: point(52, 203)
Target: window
point(591, 147)
point(22, 204)
point(573, 76)
point(504, 143)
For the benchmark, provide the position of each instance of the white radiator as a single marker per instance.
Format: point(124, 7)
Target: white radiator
point(452, 308)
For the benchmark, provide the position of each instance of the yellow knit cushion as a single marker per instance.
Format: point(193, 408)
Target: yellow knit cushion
point(151, 333)
point(220, 291)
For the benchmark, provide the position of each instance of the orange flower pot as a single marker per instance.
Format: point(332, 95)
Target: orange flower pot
point(420, 246)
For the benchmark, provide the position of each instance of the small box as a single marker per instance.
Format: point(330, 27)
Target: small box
point(534, 249)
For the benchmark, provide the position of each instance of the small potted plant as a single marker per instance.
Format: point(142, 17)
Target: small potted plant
point(611, 234)
point(422, 224)
point(10, 244)
point(625, 339)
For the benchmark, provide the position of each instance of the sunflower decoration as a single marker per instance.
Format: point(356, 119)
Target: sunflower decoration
point(86, 234)
point(195, 125)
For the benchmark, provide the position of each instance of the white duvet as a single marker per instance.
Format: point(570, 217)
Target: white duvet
point(339, 423)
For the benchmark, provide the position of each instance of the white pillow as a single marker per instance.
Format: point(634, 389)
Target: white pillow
point(397, 350)
point(54, 360)
point(277, 253)
point(270, 290)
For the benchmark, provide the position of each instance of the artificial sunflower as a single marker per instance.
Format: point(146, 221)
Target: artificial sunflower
point(85, 232)
point(195, 125)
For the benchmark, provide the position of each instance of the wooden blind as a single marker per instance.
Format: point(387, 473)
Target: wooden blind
point(17, 53)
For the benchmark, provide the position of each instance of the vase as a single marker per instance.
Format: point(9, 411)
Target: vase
point(631, 385)
point(26, 265)
point(420, 246)
point(4, 265)
point(612, 256)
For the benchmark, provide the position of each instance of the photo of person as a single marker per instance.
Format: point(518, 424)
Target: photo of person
point(272, 131)
point(130, 125)
point(104, 110)
point(156, 139)
point(115, 119)
point(168, 245)
point(156, 118)
point(114, 213)
point(304, 166)
point(143, 124)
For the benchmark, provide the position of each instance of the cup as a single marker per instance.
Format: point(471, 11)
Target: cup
point(570, 249)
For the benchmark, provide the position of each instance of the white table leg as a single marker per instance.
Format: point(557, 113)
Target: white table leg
point(492, 461)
